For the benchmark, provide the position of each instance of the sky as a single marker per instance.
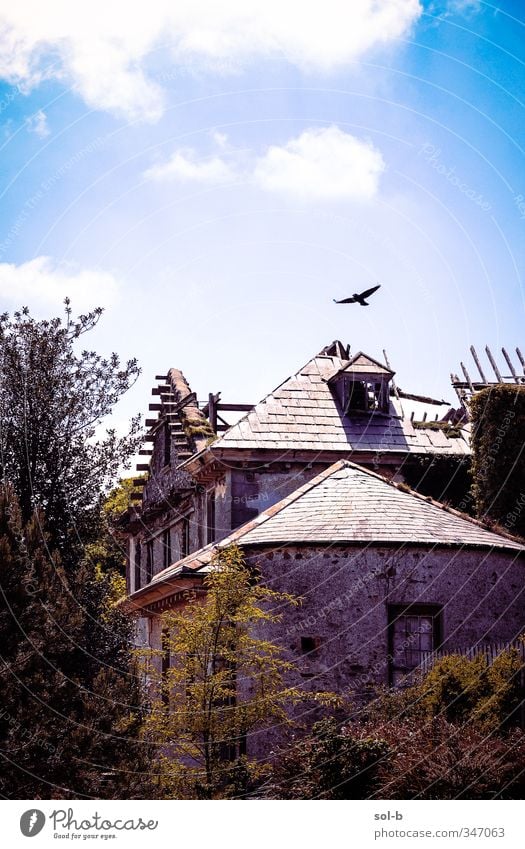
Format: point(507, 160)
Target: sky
point(214, 175)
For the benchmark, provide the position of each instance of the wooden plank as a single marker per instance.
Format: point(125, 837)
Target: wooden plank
point(235, 408)
point(154, 407)
point(139, 481)
point(467, 377)
point(520, 357)
point(146, 452)
point(212, 410)
point(142, 467)
point(493, 364)
point(151, 422)
point(511, 367)
point(478, 364)
point(163, 377)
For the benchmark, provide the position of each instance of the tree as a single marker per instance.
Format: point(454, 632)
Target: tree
point(498, 446)
point(71, 712)
point(225, 681)
point(53, 399)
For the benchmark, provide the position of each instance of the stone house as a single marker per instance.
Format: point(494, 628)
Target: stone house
point(310, 483)
point(201, 481)
point(386, 577)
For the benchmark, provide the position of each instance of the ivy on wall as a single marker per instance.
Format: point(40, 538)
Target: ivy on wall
point(498, 455)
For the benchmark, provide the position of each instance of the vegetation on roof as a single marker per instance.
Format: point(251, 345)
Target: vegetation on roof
point(450, 430)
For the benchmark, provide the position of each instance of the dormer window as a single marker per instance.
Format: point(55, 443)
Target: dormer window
point(363, 386)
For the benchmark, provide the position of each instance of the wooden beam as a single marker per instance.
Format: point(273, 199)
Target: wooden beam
point(153, 407)
point(467, 377)
point(139, 481)
point(163, 377)
point(511, 367)
point(493, 364)
point(151, 422)
point(520, 357)
point(212, 411)
point(478, 364)
point(145, 452)
point(143, 467)
point(235, 408)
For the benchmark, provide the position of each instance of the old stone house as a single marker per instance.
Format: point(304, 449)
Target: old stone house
point(201, 481)
point(310, 484)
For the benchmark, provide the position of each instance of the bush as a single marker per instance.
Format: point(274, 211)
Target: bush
point(329, 764)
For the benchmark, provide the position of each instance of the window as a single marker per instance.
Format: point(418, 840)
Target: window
point(167, 444)
point(310, 645)
point(149, 560)
point(210, 516)
point(166, 548)
point(364, 396)
point(137, 565)
point(185, 537)
point(414, 632)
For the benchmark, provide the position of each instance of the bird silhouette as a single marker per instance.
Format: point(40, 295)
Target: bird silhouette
point(359, 299)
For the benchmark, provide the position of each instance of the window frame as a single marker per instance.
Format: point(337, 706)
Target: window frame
point(166, 548)
point(150, 559)
point(399, 611)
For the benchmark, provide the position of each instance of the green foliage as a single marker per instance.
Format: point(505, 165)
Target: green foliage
point(71, 713)
point(498, 445)
point(198, 427)
point(470, 690)
point(450, 430)
point(108, 551)
point(53, 400)
point(226, 680)
point(452, 735)
point(330, 763)
point(436, 759)
point(446, 479)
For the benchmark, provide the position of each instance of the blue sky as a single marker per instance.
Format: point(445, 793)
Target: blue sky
point(215, 176)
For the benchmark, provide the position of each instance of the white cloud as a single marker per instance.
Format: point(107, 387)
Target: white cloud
point(101, 48)
point(322, 164)
point(184, 165)
point(41, 280)
point(37, 124)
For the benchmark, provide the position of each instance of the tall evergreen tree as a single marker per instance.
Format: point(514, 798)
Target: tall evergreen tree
point(71, 714)
point(70, 702)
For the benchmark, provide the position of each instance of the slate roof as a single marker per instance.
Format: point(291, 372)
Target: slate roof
point(303, 414)
point(352, 505)
point(347, 503)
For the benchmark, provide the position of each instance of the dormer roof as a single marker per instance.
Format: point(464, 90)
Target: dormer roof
point(363, 364)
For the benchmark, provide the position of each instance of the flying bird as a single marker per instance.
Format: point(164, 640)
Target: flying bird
point(359, 299)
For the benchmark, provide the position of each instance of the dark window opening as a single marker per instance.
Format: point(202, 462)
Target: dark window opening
point(185, 537)
point(166, 662)
point(414, 632)
point(167, 444)
point(210, 516)
point(166, 548)
point(138, 568)
point(310, 645)
point(149, 560)
point(365, 396)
